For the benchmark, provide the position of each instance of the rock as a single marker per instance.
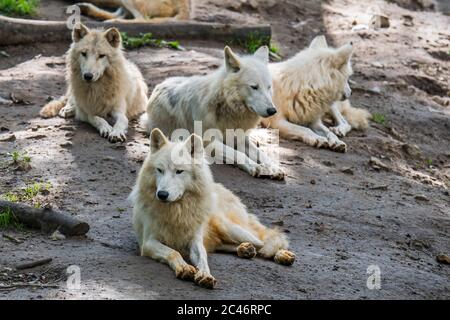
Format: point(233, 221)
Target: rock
point(5, 101)
point(443, 258)
point(379, 21)
point(7, 137)
point(347, 170)
point(4, 129)
point(408, 20)
point(360, 27)
point(380, 187)
point(278, 223)
point(421, 197)
point(312, 181)
point(412, 150)
point(377, 164)
point(328, 163)
point(66, 144)
point(377, 64)
point(57, 236)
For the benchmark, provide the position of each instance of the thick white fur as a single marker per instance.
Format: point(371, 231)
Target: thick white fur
point(117, 89)
point(312, 84)
point(202, 216)
point(235, 96)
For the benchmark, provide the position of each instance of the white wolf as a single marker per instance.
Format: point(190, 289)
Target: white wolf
point(308, 87)
point(235, 96)
point(101, 82)
point(179, 211)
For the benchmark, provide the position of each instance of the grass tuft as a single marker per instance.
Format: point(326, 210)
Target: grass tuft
point(19, 7)
point(8, 220)
point(379, 118)
point(146, 39)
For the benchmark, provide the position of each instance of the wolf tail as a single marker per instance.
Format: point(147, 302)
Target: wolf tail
point(52, 108)
point(274, 241)
point(356, 117)
point(88, 9)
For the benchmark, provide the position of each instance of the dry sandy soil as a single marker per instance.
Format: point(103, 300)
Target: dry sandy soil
point(339, 223)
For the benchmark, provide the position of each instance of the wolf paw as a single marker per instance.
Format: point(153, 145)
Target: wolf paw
point(117, 136)
point(284, 257)
point(246, 250)
point(272, 171)
point(205, 280)
point(319, 142)
point(186, 272)
point(341, 130)
point(67, 112)
point(105, 130)
point(337, 145)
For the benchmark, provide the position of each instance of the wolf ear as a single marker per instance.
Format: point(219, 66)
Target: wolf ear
point(342, 56)
point(319, 42)
point(194, 144)
point(79, 32)
point(157, 140)
point(262, 54)
point(231, 60)
point(113, 37)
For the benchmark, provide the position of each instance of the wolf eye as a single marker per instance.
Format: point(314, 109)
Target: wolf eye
point(254, 87)
point(160, 170)
point(101, 56)
point(84, 54)
point(180, 171)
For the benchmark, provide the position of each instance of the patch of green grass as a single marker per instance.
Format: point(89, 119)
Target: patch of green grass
point(274, 48)
point(254, 41)
point(429, 162)
point(9, 220)
point(146, 39)
point(379, 118)
point(19, 7)
point(28, 193)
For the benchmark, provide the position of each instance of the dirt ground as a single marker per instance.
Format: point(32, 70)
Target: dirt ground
point(341, 214)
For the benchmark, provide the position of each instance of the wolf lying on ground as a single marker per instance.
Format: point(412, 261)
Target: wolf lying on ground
point(235, 96)
point(101, 82)
point(308, 87)
point(180, 211)
point(139, 10)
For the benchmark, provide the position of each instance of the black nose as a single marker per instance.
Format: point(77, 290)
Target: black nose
point(271, 111)
point(88, 76)
point(162, 195)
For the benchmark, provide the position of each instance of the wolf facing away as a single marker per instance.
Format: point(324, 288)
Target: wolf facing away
point(179, 211)
point(138, 10)
point(101, 82)
point(311, 85)
point(234, 97)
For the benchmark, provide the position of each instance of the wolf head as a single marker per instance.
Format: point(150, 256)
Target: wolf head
point(176, 168)
point(329, 68)
point(93, 51)
point(248, 81)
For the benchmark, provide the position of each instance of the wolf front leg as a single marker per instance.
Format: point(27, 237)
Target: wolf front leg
point(220, 151)
point(333, 141)
point(119, 131)
point(269, 167)
point(342, 127)
point(294, 131)
point(156, 250)
point(98, 123)
point(199, 258)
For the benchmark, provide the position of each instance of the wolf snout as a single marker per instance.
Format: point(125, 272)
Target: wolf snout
point(162, 195)
point(88, 76)
point(271, 111)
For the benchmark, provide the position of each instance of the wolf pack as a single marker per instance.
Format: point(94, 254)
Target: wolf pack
point(180, 214)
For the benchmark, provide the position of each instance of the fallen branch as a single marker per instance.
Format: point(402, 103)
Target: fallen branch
point(47, 220)
point(23, 31)
point(33, 264)
point(11, 238)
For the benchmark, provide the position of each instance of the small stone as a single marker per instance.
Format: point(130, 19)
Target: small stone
point(421, 197)
point(7, 137)
point(66, 144)
point(328, 163)
point(379, 21)
point(312, 181)
point(57, 236)
point(443, 258)
point(347, 170)
point(377, 164)
point(377, 64)
point(412, 150)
